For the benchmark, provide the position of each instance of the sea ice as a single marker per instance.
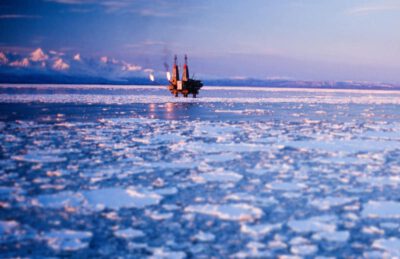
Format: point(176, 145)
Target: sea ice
point(112, 198)
point(162, 253)
point(204, 237)
point(38, 158)
point(304, 249)
point(219, 175)
point(381, 209)
point(128, 233)
point(315, 224)
point(116, 198)
point(391, 246)
point(239, 212)
point(328, 202)
point(261, 230)
point(336, 236)
point(7, 227)
point(67, 240)
point(285, 186)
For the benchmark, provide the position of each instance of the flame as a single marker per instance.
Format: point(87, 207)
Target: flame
point(168, 76)
point(151, 77)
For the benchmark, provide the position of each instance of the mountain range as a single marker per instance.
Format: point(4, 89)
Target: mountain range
point(54, 67)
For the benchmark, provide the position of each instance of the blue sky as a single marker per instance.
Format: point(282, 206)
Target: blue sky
point(305, 40)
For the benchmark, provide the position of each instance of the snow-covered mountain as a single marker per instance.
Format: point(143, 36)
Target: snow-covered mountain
point(52, 63)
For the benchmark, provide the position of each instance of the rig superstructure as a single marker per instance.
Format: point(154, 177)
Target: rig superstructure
point(185, 86)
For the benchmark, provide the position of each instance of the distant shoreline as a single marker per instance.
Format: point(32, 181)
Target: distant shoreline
point(375, 89)
point(227, 88)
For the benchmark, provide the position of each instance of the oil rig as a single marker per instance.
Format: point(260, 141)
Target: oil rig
point(185, 86)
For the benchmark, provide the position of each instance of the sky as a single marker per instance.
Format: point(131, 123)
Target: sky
point(265, 39)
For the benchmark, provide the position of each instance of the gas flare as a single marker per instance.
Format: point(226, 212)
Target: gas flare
point(151, 77)
point(168, 76)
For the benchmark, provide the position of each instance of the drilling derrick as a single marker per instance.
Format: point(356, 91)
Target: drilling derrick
point(185, 75)
point(175, 71)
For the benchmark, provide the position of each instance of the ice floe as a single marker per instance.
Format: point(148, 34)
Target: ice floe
point(112, 198)
point(37, 158)
point(329, 202)
point(306, 249)
point(315, 224)
point(381, 209)
point(390, 246)
point(67, 240)
point(285, 186)
point(204, 236)
point(335, 236)
point(259, 230)
point(128, 233)
point(240, 212)
point(219, 175)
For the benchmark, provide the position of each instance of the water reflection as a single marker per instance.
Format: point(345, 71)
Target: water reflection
point(174, 111)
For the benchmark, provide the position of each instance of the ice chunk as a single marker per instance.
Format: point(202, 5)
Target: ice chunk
point(314, 224)
point(348, 146)
point(380, 181)
point(285, 186)
point(128, 233)
point(38, 158)
point(112, 198)
point(222, 157)
point(259, 230)
point(381, 209)
point(60, 200)
point(116, 198)
point(328, 202)
point(166, 191)
point(67, 240)
point(162, 253)
point(337, 236)
point(7, 227)
point(240, 212)
point(304, 249)
point(391, 246)
point(217, 176)
point(204, 237)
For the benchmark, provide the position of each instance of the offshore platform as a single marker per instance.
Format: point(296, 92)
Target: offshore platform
point(185, 86)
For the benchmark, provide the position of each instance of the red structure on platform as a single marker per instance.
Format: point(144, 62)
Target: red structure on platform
point(185, 86)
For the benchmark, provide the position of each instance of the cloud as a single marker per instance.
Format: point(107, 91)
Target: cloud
point(19, 16)
point(368, 9)
point(110, 5)
point(160, 8)
point(148, 70)
point(56, 53)
point(38, 55)
point(147, 43)
point(154, 13)
point(130, 67)
point(71, 1)
point(59, 64)
point(15, 49)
